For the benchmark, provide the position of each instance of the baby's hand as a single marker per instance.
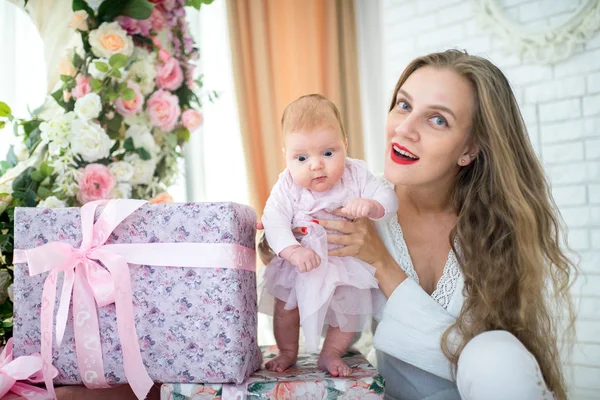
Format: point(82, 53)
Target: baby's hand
point(302, 258)
point(359, 208)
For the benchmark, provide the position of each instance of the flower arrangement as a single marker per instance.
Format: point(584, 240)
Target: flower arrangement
point(129, 103)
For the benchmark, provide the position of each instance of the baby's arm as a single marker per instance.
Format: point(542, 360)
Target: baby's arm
point(276, 219)
point(377, 198)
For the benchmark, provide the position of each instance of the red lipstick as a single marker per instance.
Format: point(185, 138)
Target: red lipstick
point(399, 158)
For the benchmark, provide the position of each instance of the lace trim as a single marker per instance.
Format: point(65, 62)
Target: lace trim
point(450, 275)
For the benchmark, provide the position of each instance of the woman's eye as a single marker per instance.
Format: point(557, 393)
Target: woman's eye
point(328, 153)
point(403, 105)
point(439, 121)
point(301, 158)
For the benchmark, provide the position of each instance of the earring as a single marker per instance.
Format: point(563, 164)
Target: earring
point(462, 161)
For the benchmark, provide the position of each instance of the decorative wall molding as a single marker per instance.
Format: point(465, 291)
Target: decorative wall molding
point(544, 46)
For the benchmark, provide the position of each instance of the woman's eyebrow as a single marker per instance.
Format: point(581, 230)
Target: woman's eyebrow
point(433, 106)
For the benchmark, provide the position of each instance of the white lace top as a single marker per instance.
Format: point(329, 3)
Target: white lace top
point(412, 323)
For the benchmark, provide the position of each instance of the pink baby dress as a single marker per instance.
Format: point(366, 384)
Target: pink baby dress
point(342, 292)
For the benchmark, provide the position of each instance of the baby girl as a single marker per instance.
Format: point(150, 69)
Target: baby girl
point(338, 292)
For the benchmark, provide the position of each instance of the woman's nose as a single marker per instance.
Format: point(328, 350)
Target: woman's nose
point(408, 127)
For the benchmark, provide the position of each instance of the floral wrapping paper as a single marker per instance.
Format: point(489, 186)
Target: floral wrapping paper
point(193, 325)
point(303, 381)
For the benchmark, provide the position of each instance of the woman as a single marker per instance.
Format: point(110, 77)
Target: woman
point(477, 240)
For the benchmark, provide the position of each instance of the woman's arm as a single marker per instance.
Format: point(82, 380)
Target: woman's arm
point(412, 323)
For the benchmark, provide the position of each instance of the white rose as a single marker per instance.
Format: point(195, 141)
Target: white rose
point(88, 106)
point(121, 170)
point(90, 141)
point(52, 202)
point(143, 170)
point(142, 137)
point(56, 132)
point(143, 73)
point(94, 4)
point(138, 119)
point(121, 191)
point(110, 39)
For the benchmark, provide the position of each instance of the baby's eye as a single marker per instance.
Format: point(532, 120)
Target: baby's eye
point(301, 158)
point(439, 121)
point(328, 153)
point(403, 105)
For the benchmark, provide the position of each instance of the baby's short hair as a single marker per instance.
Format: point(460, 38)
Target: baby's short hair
point(311, 111)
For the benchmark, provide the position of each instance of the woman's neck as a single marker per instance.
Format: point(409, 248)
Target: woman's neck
point(426, 200)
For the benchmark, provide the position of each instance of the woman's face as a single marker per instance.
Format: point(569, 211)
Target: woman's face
point(427, 132)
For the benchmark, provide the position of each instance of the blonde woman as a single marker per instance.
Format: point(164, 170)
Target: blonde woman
point(472, 267)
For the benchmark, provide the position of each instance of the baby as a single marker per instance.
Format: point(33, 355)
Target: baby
point(338, 292)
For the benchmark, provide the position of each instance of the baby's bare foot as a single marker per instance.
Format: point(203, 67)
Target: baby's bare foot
point(283, 361)
point(333, 363)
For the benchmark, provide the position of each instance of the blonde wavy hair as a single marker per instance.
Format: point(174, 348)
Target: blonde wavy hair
point(509, 232)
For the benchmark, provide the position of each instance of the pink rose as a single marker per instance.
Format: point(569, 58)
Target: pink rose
point(164, 55)
point(298, 390)
point(128, 108)
point(169, 74)
point(83, 86)
point(158, 20)
point(95, 183)
point(163, 110)
point(191, 119)
point(134, 26)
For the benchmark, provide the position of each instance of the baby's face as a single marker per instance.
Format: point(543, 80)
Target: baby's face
point(315, 158)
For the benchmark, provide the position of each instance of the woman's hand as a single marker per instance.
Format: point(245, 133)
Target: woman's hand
point(265, 253)
point(358, 239)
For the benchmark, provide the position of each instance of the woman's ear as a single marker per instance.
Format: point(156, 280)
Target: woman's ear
point(469, 155)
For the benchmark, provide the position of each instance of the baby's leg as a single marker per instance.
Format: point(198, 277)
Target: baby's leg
point(286, 326)
point(336, 344)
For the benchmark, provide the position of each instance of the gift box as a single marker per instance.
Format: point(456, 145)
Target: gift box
point(193, 323)
point(302, 381)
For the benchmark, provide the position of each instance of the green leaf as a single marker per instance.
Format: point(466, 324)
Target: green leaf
point(143, 153)
point(46, 169)
point(33, 140)
point(138, 9)
point(128, 144)
point(37, 176)
point(4, 109)
point(172, 140)
point(82, 5)
point(116, 73)
point(110, 9)
point(66, 78)
point(101, 66)
point(43, 193)
point(2, 123)
point(30, 126)
point(117, 61)
point(122, 86)
point(112, 96)
point(127, 94)
point(183, 134)
point(96, 85)
point(58, 96)
point(11, 157)
point(7, 324)
point(4, 166)
point(77, 60)
point(23, 181)
point(113, 126)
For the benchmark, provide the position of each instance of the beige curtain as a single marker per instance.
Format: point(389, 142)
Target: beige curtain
point(282, 49)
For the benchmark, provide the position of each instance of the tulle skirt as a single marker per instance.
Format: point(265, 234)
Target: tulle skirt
point(342, 292)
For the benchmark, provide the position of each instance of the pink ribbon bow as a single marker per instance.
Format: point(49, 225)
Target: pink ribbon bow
point(90, 283)
point(23, 368)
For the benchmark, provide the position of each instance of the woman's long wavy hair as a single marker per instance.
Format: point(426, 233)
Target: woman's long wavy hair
point(510, 235)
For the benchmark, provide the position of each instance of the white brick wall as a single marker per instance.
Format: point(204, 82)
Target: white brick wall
point(561, 106)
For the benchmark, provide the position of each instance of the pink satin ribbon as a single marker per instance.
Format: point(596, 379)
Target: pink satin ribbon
point(88, 282)
point(22, 368)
